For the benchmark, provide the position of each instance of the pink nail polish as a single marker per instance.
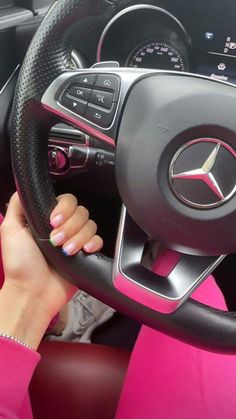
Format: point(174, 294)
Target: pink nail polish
point(69, 249)
point(57, 239)
point(57, 220)
point(88, 247)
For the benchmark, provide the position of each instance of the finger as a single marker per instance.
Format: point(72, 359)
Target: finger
point(15, 216)
point(77, 242)
point(71, 227)
point(66, 206)
point(93, 245)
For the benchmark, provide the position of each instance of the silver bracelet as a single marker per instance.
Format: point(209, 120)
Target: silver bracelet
point(6, 336)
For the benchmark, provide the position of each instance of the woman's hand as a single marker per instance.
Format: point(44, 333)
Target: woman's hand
point(72, 227)
point(33, 292)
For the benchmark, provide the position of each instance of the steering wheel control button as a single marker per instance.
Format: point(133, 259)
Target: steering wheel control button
point(100, 117)
point(80, 93)
point(74, 105)
point(109, 82)
point(102, 98)
point(86, 79)
point(202, 173)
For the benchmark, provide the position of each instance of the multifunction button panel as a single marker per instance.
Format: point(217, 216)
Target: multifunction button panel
point(93, 96)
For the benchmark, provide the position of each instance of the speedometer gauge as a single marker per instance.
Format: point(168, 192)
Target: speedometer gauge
point(158, 55)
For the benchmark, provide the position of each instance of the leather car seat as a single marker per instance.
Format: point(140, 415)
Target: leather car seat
point(77, 381)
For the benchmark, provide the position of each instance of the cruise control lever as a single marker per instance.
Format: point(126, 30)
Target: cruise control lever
point(90, 158)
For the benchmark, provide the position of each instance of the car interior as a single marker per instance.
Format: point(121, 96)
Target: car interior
point(128, 105)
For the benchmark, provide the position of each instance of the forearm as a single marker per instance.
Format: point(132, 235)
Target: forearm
point(22, 316)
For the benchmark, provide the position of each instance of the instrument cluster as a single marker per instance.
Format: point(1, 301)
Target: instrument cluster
point(146, 36)
point(200, 40)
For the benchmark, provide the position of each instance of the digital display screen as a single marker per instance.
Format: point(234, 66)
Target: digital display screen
point(217, 67)
point(217, 53)
point(220, 41)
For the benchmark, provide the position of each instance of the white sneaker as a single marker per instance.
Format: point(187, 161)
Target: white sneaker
point(85, 313)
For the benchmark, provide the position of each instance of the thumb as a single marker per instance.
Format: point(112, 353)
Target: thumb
point(15, 217)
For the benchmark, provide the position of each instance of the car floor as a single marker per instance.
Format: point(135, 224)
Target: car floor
point(120, 332)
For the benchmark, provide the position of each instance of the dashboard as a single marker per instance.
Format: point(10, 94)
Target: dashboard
point(145, 36)
point(185, 36)
point(197, 37)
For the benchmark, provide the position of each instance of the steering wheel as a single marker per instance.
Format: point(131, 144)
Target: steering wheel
point(175, 141)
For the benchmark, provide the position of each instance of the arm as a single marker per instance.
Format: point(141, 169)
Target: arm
point(33, 292)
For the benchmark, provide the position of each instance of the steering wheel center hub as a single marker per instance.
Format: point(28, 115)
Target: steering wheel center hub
point(176, 162)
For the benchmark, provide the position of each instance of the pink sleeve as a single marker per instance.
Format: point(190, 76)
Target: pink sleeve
point(1, 264)
point(17, 364)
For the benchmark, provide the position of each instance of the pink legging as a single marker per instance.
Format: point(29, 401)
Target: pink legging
point(168, 379)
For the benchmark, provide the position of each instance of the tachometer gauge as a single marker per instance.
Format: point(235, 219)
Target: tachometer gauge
point(158, 55)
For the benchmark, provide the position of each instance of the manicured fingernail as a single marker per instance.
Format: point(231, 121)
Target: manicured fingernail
point(57, 239)
point(57, 220)
point(89, 247)
point(69, 249)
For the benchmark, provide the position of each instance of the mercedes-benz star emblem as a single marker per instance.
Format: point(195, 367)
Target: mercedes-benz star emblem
point(203, 173)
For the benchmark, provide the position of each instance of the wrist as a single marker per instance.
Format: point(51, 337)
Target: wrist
point(22, 316)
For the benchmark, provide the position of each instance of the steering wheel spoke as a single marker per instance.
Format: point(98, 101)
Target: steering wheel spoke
point(168, 284)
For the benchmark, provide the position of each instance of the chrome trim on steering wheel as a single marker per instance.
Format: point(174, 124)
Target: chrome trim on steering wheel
point(163, 294)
